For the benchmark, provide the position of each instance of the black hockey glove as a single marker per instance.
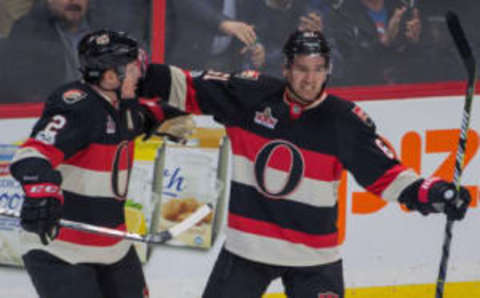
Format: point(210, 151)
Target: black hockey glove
point(42, 206)
point(434, 195)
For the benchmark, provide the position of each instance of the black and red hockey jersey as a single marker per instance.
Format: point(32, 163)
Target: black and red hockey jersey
point(91, 143)
point(287, 161)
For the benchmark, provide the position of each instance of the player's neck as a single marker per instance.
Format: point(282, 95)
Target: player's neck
point(109, 95)
point(290, 96)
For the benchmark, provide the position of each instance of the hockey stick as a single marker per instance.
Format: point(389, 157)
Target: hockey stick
point(156, 238)
point(466, 54)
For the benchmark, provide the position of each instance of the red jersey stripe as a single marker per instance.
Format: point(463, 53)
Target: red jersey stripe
point(384, 181)
point(319, 166)
point(100, 157)
point(271, 230)
point(90, 239)
point(54, 155)
point(191, 103)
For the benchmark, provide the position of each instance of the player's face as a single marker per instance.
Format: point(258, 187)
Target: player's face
point(70, 11)
point(306, 75)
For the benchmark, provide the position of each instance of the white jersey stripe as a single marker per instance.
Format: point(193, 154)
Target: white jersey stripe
point(260, 249)
point(90, 183)
point(405, 178)
point(178, 90)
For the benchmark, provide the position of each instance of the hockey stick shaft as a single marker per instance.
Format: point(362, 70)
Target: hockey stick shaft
point(156, 238)
point(466, 54)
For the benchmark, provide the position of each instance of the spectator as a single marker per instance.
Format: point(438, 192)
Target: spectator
point(43, 41)
point(272, 20)
point(286, 16)
point(379, 40)
point(10, 11)
point(207, 34)
point(51, 30)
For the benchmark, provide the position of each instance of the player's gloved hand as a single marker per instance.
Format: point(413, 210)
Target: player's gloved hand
point(434, 195)
point(178, 129)
point(42, 208)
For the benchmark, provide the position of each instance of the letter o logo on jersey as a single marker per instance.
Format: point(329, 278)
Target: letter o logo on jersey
point(269, 155)
point(120, 182)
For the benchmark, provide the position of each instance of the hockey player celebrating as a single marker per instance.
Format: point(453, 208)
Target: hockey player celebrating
point(290, 142)
point(76, 165)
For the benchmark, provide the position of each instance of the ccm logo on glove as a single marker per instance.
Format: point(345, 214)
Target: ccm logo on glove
point(43, 190)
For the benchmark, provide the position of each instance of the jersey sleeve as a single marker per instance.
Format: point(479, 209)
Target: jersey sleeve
point(61, 131)
point(369, 157)
point(225, 96)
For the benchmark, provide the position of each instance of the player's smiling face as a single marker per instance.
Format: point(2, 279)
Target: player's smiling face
point(306, 76)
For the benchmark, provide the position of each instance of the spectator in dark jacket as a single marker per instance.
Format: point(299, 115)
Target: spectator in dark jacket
point(380, 41)
point(40, 52)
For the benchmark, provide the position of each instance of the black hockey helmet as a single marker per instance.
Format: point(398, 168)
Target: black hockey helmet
point(105, 49)
point(306, 43)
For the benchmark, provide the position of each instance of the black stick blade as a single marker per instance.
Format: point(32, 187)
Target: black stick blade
point(461, 42)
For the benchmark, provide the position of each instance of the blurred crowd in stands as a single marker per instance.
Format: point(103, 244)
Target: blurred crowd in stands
point(375, 42)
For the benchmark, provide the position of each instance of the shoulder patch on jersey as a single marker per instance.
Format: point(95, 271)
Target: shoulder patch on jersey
point(73, 95)
point(362, 116)
point(216, 75)
point(248, 75)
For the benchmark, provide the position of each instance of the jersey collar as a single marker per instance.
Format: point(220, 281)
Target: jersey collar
point(297, 107)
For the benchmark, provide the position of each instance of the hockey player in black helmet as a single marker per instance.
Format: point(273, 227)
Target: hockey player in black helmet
point(308, 44)
point(76, 165)
point(290, 143)
point(106, 50)
point(307, 68)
